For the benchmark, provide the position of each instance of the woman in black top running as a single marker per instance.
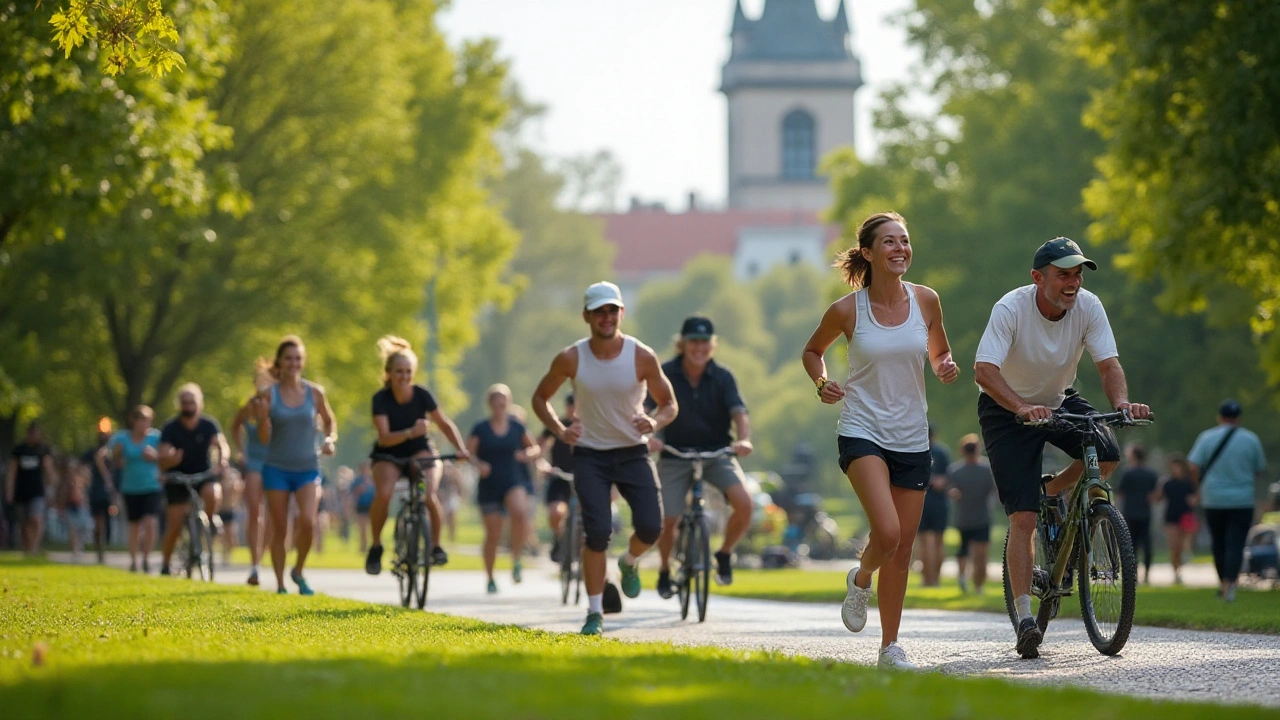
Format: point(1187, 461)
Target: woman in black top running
point(400, 419)
point(502, 449)
point(1178, 490)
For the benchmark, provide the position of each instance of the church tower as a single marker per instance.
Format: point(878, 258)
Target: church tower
point(789, 81)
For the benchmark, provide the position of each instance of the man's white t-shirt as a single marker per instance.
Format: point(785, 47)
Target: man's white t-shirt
point(1037, 356)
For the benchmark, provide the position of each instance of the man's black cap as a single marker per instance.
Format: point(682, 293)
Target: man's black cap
point(1062, 252)
point(697, 328)
point(1230, 409)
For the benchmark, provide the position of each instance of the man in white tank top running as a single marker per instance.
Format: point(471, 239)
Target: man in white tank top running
point(611, 374)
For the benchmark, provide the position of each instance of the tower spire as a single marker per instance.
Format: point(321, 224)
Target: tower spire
point(841, 20)
point(740, 21)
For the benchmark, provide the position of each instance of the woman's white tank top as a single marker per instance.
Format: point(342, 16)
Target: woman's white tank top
point(884, 394)
point(607, 395)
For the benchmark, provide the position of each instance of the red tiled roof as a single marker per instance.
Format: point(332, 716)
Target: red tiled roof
point(651, 241)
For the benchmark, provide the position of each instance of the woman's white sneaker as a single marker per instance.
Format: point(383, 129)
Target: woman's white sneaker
point(894, 657)
point(854, 610)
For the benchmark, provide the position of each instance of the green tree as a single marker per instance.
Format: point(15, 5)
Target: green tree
point(363, 162)
point(1191, 174)
point(126, 33)
point(1001, 169)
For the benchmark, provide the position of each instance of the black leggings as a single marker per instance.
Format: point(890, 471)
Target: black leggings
point(1140, 531)
point(1228, 528)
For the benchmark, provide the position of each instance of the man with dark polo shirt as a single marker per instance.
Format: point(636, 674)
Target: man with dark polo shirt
point(707, 394)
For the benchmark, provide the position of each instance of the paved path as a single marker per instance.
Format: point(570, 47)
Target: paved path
point(1158, 663)
point(1186, 665)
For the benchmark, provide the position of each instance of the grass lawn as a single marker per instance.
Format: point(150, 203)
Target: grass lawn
point(90, 642)
point(1175, 607)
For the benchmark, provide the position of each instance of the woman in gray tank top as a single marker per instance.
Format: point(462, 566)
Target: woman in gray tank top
point(893, 328)
point(287, 426)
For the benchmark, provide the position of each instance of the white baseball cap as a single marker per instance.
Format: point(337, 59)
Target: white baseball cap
point(601, 294)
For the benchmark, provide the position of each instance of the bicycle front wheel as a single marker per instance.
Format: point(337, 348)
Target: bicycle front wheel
point(1108, 580)
point(404, 560)
point(422, 551)
point(684, 561)
point(1041, 571)
point(206, 554)
point(700, 548)
point(569, 552)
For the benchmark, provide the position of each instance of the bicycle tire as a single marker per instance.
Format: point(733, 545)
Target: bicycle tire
point(568, 553)
point(194, 562)
point(422, 550)
point(1044, 611)
point(684, 550)
point(403, 562)
point(1110, 549)
point(702, 568)
point(207, 555)
point(180, 564)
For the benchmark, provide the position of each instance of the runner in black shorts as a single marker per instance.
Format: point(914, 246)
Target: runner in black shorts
point(558, 489)
point(1026, 364)
point(933, 519)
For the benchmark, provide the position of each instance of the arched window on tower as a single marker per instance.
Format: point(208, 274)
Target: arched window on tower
point(798, 156)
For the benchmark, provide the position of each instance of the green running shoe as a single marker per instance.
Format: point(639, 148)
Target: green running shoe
point(303, 587)
point(281, 591)
point(630, 578)
point(493, 587)
point(594, 624)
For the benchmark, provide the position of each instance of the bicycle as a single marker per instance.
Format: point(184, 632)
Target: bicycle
point(692, 575)
point(411, 563)
point(570, 544)
point(194, 552)
point(1103, 558)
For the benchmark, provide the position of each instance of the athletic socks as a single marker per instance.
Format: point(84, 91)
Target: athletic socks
point(1022, 604)
point(630, 559)
point(595, 603)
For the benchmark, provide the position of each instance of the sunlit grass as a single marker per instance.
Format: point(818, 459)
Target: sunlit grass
point(92, 642)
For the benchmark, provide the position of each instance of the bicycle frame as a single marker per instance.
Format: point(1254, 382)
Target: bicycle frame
point(1076, 520)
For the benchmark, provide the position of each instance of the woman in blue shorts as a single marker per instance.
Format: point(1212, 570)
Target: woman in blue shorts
point(287, 426)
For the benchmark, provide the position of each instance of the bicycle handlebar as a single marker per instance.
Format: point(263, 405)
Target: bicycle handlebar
point(404, 462)
point(698, 455)
point(553, 470)
point(1119, 418)
point(190, 479)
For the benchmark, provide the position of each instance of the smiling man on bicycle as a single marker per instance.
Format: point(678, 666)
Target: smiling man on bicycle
point(1026, 366)
point(710, 402)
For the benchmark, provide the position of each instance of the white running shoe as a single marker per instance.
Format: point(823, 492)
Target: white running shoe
point(854, 610)
point(894, 657)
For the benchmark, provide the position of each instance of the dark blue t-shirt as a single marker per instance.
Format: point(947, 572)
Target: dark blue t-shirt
point(500, 451)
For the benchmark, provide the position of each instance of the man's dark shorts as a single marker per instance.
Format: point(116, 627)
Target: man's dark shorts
point(968, 537)
point(908, 470)
point(1016, 451)
point(595, 472)
point(558, 490)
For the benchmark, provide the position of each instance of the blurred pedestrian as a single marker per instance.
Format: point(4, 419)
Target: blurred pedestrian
point(360, 496)
point(30, 467)
point(1225, 461)
point(1137, 488)
point(933, 519)
point(102, 489)
point(136, 453)
point(1178, 491)
point(229, 509)
point(252, 454)
point(971, 486)
point(73, 502)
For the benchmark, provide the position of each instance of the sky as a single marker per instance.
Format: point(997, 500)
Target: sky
point(640, 78)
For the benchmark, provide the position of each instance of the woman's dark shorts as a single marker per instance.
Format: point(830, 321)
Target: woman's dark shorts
point(908, 470)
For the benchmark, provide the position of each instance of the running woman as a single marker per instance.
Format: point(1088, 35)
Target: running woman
point(287, 426)
point(30, 465)
point(611, 373)
point(558, 489)
point(136, 452)
point(253, 453)
point(500, 446)
point(893, 328)
point(186, 443)
point(400, 418)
